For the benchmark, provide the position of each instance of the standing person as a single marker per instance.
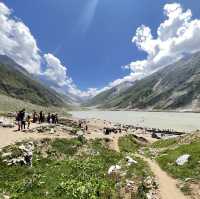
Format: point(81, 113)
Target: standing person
point(56, 118)
point(40, 117)
point(86, 127)
point(43, 118)
point(49, 118)
point(80, 124)
point(28, 119)
point(34, 117)
point(18, 121)
point(22, 119)
point(53, 118)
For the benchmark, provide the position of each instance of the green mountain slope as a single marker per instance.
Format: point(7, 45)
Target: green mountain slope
point(108, 95)
point(17, 83)
point(174, 87)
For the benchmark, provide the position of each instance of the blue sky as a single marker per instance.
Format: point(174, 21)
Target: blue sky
point(92, 37)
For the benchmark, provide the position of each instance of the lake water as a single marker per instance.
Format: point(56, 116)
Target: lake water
point(162, 120)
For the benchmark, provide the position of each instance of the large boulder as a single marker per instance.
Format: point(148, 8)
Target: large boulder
point(182, 159)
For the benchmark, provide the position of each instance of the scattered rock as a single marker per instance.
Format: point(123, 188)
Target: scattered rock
point(6, 197)
point(130, 160)
point(130, 186)
point(6, 123)
point(8, 154)
point(25, 158)
point(152, 186)
point(182, 159)
point(80, 133)
point(52, 131)
point(114, 169)
point(152, 194)
point(149, 182)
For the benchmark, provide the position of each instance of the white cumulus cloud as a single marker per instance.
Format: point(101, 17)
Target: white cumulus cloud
point(17, 42)
point(55, 71)
point(178, 35)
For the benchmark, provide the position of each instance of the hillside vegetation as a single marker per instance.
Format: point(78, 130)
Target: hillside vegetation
point(73, 168)
point(174, 87)
point(15, 82)
point(10, 104)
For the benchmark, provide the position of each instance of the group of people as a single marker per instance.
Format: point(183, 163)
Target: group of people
point(24, 119)
point(21, 119)
point(83, 125)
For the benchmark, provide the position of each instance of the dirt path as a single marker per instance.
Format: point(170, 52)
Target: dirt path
point(114, 143)
point(167, 185)
point(10, 135)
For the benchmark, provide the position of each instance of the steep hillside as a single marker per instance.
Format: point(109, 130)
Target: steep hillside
point(108, 95)
point(17, 83)
point(174, 87)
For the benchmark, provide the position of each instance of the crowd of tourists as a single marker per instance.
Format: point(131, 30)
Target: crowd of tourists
point(25, 119)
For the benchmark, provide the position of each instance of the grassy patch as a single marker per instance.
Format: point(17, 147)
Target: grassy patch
point(164, 143)
point(189, 170)
point(128, 144)
point(72, 176)
point(67, 147)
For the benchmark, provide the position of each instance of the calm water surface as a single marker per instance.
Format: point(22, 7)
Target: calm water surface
point(163, 120)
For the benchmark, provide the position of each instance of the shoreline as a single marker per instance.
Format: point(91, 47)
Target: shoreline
point(178, 121)
point(137, 110)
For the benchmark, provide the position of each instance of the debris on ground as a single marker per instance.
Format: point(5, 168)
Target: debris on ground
point(6, 123)
point(130, 186)
point(152, 186)
point(182, 159)
point(24, 158)
point(114, 169)
point(130, 160)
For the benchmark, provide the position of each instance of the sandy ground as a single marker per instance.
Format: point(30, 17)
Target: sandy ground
point(167, 185)
point(10, 135)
